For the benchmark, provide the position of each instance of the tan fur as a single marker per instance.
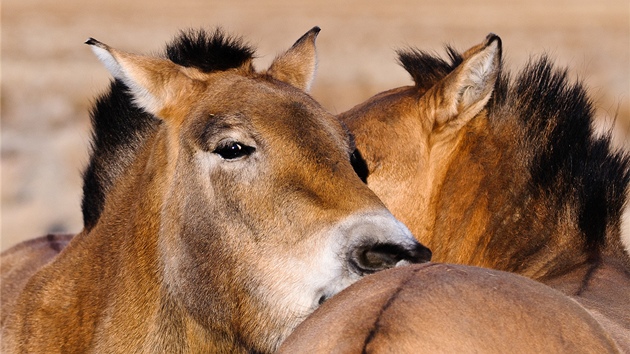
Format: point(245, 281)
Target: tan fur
point(443, 308)
point(194, 253)
point(298, 68)
point(19, 263)
point(435, 180)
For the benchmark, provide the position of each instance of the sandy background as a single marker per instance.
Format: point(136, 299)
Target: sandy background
point(49, 78)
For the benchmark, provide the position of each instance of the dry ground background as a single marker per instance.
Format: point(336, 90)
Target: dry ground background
point(49, 78)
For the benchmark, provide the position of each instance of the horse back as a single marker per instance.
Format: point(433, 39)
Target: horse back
point(445, 308)
point(19, 263)
point(604, 291)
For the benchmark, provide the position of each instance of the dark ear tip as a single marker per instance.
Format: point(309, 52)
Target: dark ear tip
point(312, 33)
point(490, 38)
point(94, 42)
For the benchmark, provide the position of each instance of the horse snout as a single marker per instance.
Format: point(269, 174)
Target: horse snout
point(369, 259)
point(418, 254)
point(377, 240)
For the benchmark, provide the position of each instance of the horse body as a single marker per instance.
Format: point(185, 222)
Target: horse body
point(449, 308)
point(19, 263)
point(505, 173)
point(225, 214)
point(603, 290)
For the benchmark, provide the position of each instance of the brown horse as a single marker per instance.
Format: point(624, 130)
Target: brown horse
point(448, 308)
point(20, 262)
point(503, 172)
point(220, 206)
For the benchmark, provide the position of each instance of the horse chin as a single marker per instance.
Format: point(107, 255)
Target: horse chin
point(328, 276)
point(333, 290)
point(315, 298)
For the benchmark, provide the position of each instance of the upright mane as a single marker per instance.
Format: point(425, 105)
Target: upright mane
point(552, 118)
point(568, 161)
point(119, 127)
point(426, 68)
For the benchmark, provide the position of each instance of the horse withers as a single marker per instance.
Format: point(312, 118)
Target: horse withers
point(220, 209)
point(503, 172)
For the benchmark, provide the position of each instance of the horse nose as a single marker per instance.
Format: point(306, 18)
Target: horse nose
point(379, 241)
point(377, 256)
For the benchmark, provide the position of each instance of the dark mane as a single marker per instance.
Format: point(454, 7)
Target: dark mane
point(119, 128)
point(567, 164)
point(568, 161)
point(208, 52)
point(425, 68)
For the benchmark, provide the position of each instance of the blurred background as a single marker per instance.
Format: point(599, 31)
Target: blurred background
point(49, 77)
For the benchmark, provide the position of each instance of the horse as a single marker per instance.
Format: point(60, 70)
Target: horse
point(504, 172)
point(18, 263)
point(449, 308)
point(220, 209)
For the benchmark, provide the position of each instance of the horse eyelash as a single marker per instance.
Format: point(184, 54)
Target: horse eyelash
point(227, 152)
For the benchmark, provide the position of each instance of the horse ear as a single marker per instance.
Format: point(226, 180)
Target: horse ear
point(149, 79)
point(297, 65)
point(463, 93)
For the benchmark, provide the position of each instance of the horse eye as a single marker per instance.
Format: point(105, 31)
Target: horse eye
point(359, 165)
point(233, 150)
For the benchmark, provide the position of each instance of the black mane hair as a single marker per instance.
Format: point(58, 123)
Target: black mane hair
point(567, 164)
point(208, 51)
point(119, 127)
point(568, 161)
point(426, 69)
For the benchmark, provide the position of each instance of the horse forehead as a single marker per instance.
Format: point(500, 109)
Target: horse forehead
point(270, 106)
point(233, 91)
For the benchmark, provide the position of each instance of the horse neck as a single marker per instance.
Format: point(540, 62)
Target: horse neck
point(103, 288)
point(107, 282)
point(486, 214)
point(122, 249)
point(138, 241)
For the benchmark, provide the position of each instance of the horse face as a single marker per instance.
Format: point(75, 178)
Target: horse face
point(274, 210)
point(263, 217)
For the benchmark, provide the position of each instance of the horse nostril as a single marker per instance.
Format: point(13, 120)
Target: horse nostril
point(370, 259)
point(420, 254)
point(322, 299)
